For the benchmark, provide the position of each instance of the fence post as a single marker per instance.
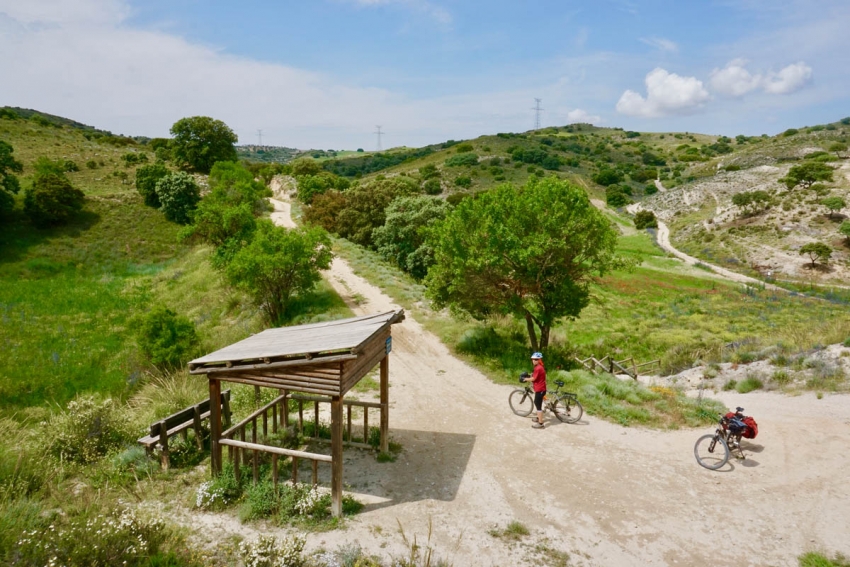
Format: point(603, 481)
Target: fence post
point(215, 426)
point(385, 405)
point(336, 456)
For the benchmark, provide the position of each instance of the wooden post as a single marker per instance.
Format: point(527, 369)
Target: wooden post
point(163, 444)
point(215, 426)
point(348, 421)
point(237, 470)
point(274, 418)
point(385, 404)
point(256, 463)
point(294, 470)
point(336, 456)
point(315, 472)
point(257, 397)
point(365, 424)
point(316, 420)
point(285, 408)
point(196, 425)
point(274, 469)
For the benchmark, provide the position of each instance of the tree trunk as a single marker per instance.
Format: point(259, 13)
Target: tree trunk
point(544, 336)
point(532, 334)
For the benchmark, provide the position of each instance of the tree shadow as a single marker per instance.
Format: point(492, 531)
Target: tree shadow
point(19, 234)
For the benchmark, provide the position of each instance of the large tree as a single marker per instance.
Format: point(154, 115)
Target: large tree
point(9, 184)
point(200, 141)
point(834, 204)
point(816, 251)
point(278, 264)
point(52, 200)
point(806, 174)
point(530, 252)
point(178, 196)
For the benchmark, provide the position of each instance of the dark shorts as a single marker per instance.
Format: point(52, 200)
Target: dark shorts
point(538, 400)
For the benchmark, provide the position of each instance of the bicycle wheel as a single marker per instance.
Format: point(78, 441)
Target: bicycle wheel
point(521, 402)
point(711, 451)
point(567, 409)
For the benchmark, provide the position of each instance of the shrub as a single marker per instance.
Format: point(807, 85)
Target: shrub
point(615, 197)
point(91, 164)
point(749, 384)
point(463, 148)
point(146, 179)
point(463, 181)
point(607, 177)
point(178, 196)
point(645, 219)
point(266, 551)
point(52, 200)
point(428, 171)
point(87, 430)
point(467, 158)
point(200, 141)
point(166, 338)
point(650, 189)
point(432, 186)
point(781, 377)
point(106, 539)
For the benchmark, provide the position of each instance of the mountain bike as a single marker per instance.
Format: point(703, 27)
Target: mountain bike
point(713, 451)
point(564, 405)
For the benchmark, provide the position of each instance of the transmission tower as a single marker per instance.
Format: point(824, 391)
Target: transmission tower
point(379, 133)
point(260, 136)
point(537, 110)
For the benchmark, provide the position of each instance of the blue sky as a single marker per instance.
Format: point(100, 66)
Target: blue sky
point(324, 73)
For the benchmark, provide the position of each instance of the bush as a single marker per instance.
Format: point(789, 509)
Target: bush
point(146, 179)
point(645, 219)
point(178, 196)
point(607, 177)
point(52, 200)
point(650, 189)
point(749, 384)
point(432, 186)
point(463, 181)
point(615, 197)
point(462, 159)
point(87, 430)
point(266, 551)
point(166, 338)
point(463, 148)
point(106, 539)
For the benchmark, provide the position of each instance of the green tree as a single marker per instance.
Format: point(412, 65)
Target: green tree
point(615, 196)
point(834, 204)
point(9, 184)
point(178, 196)
point(366, 207)
point(530, 252)
point(645, 219)
point(402, 237)
point(816, 251)
point(278, 264)
point(305, 166)
point(805, 174)
point(311, 185)
point(845, 230)
point(147, 177)
point(325, 210)
point(200, 141)
point(167, 339)
point(607, 177)
point(751, 202)
point(838, 147)
point(432, 186)
point(226, 227)
point(234, 184)
point(52, 200)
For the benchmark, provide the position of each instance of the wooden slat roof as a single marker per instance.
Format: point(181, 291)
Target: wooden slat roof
point(303, 340)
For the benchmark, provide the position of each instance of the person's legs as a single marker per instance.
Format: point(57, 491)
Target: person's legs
point(538, 403)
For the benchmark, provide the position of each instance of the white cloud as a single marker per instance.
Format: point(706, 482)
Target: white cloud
point(661, 44)
point(789, 79)
point(434, 11)
point(666, 93)
point(579, 115)
point(736, 81)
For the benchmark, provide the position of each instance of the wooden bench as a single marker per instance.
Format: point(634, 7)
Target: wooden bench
point(181, 422)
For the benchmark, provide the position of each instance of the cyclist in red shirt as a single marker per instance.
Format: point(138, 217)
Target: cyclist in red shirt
point(538, 384)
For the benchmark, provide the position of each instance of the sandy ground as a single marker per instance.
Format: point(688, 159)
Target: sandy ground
point(604, 494)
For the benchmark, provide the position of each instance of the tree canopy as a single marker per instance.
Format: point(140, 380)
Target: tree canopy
point(200, 141)
point(402, 237)
point(9, 184)
point(751, 202)
point(147, 177)
point(278, 264)
point(806, 174)
point(52, 200)
point(834, 204)
point(816, 251)
point(530, 252)
point(178, 196)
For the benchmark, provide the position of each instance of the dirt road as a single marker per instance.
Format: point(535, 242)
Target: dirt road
point(604, 494)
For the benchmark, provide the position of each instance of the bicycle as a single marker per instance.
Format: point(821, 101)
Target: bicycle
point(712, 451)
point(564, 405)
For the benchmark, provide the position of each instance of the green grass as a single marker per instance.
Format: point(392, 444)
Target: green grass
point(814, 559)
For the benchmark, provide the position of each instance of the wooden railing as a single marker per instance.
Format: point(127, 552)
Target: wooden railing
point(607, 364)
point(277, 412)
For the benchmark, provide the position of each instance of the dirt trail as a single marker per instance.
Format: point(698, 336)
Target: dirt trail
point(605, 494)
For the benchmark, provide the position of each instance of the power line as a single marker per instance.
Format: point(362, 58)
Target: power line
point(537, 110)
point(379, 133)
point(260, 136)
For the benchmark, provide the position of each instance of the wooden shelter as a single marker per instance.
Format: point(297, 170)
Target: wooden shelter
point(327, 359)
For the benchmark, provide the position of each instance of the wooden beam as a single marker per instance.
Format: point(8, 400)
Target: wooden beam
point(215, 426)
point(385, 404)
point(297, 387)
point(281, 364)
point(336, 456)
point(278, 450)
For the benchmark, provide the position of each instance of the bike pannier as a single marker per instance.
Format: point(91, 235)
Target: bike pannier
point(752, 428)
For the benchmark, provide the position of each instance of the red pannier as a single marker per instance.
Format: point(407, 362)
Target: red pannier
point(751, 429)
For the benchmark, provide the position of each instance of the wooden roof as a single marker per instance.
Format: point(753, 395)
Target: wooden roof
point(317, 343)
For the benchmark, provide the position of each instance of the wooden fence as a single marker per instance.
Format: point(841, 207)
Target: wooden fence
point(277, 414)
point(607, 364)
